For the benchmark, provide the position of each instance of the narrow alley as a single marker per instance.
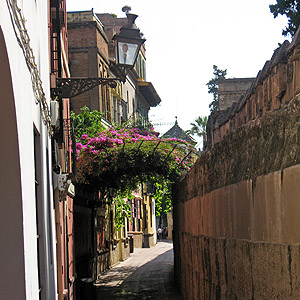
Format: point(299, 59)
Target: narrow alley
point(147, 274)
point(119, 129)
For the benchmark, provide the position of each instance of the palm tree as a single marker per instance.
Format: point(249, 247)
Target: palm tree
point(199, 127)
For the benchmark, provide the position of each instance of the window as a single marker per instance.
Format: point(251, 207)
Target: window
point(115, 112)
point(133, 106)
point(124, 110)
point(145, 217)
point(127, 99)
point(144, 70)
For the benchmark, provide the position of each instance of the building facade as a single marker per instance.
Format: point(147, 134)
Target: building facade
point(36, 196)
point(88, 57)
point(62, 156)
point(27, 251)
point(138, 96)
point(92, 54)
point(231, 90)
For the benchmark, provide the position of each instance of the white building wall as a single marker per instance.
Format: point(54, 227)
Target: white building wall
point(128, 93)
point(28, 115)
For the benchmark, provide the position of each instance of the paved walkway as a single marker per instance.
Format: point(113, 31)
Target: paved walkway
point(147, 274)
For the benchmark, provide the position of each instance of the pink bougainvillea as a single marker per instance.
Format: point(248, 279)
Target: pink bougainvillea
point(121, 157)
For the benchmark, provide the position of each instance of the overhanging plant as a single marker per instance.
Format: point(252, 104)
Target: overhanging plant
point(118, 159)
point(122, 158)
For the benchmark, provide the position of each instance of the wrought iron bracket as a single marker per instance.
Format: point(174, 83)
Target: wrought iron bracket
point(71, 87)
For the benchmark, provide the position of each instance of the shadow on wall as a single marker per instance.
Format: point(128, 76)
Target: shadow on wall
point(11, 216)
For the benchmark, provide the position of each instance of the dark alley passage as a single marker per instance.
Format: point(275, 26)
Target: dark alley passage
point(147, 274)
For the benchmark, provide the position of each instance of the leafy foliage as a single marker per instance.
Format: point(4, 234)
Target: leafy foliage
point(289, 8)
point(87, 122)
point(122, 208)
point(213, 87)
point(120, 158)
point(163, 197)
point(199, 127)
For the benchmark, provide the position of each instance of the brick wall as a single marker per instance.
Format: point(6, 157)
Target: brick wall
point(82, 35)
point(88, 57)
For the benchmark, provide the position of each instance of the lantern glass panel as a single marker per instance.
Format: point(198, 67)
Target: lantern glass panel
point(127, 53)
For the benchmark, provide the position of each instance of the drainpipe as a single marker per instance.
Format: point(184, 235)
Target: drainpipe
point(74, 158)
point(59, 72)
point(61, 128)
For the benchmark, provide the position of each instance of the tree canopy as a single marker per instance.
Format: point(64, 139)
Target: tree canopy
point(289, 8)
point(213, 87)
point(198, 127)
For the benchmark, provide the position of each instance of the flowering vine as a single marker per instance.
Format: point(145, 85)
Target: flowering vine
point(115, 160)
point(121, 158)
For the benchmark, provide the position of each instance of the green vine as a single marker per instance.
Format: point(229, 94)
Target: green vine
point(122, 208)
point(163, 197)
point(87, 122)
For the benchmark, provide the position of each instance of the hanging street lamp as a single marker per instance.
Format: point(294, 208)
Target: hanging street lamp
point(128, 43)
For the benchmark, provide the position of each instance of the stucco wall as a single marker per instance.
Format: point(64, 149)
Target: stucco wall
point(25, 117)
point(124, 246)
point(11, 218)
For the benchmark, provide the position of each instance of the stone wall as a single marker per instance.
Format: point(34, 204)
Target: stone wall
point(218, 268)
point(137, 239)
point(237, 212)
point(274, 86)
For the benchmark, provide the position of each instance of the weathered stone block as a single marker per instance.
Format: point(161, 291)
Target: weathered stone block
point(270, 271)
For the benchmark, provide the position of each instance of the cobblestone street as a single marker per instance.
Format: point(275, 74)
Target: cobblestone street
point(147, 274)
